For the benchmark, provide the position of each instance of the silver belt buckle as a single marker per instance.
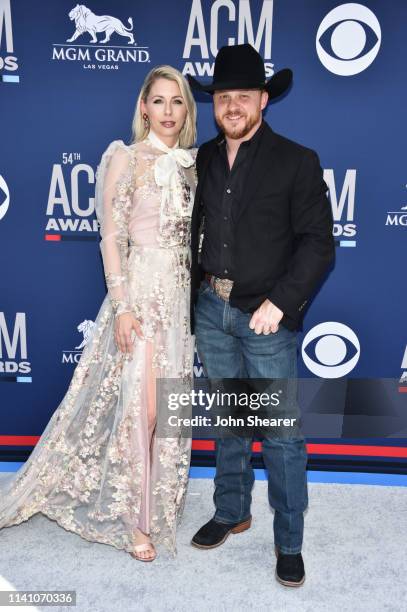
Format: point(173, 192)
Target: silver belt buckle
point(222, 287)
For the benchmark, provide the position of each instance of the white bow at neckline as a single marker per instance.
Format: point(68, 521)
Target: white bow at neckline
point(166, 165)
point(165, 174)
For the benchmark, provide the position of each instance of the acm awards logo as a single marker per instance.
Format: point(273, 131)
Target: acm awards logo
point(343, 206)
point(69, 213)
point(86, 329)
point(348, 39)
point(403, 379)
point(198, 367)
point(8, 59)
point(208, 19)
point(14, 362)
point(95, 50)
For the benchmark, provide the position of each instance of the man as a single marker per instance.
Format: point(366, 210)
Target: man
point(267, 225)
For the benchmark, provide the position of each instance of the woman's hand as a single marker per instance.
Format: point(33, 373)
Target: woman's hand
point(124, 325)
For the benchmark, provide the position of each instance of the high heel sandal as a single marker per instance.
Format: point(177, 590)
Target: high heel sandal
point(142, 547)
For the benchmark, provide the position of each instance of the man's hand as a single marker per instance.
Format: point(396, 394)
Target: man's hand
point(266, 318)
point(124, 325)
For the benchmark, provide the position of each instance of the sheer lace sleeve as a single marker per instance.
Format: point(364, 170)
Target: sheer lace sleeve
point(113, 200)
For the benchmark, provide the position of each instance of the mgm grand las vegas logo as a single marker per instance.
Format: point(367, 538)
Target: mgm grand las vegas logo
point(104, 42)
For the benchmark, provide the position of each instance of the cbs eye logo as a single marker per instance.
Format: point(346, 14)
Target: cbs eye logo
point(333, 350)
point(6, 200)
point(348, 31)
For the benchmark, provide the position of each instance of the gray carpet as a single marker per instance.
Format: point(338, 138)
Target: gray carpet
point(355, 554)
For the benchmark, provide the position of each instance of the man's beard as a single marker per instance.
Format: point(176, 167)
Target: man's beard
point(238, 132)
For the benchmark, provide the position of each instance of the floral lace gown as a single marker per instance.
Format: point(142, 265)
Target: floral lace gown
point(92, 470)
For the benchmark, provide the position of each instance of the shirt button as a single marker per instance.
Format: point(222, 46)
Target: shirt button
point(226, 270)
point(228, 190)
point(225, 218)
point(225, 244)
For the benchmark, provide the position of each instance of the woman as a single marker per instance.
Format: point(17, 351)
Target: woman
point(100, 469)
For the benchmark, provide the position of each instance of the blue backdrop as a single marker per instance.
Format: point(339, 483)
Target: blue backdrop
point(65, 95)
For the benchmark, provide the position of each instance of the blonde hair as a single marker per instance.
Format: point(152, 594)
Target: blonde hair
point(187, 136)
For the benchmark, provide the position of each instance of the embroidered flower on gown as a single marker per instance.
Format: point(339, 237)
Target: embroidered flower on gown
point(92, 470)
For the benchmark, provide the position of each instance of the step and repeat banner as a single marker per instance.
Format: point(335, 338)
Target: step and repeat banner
point(69, 79)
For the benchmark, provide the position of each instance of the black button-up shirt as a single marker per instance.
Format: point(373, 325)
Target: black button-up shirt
point(221, 194)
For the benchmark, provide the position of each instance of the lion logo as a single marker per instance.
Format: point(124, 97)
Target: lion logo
point(86, 21)
point(86, 327)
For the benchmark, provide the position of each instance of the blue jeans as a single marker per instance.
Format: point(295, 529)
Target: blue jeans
point(228, 348)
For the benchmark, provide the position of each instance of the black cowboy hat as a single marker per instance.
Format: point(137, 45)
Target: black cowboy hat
point(242, 67)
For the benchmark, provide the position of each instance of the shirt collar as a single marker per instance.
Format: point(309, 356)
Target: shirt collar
point(158, 143)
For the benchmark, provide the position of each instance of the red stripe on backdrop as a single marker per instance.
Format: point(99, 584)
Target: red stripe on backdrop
point(54, 237)
point(312, 448)
point(19, 440)
point(326, 449)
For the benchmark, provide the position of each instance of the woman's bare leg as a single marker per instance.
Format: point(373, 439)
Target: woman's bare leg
point(139, 536)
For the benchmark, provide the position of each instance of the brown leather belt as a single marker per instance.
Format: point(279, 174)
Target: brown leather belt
point(221, 286)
